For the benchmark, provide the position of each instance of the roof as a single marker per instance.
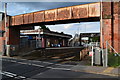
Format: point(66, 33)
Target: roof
point(4, 13)
point(1, 12)
point(89, 34)
point(46, 32)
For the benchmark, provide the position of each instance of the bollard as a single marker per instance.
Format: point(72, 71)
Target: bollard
point(8, 50)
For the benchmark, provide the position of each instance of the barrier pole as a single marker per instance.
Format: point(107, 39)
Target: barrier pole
point(92, 56)
point(106, 56)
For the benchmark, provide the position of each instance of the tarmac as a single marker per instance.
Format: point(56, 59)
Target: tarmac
point(111, 71)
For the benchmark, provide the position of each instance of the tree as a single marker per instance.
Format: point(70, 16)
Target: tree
point(44, 27)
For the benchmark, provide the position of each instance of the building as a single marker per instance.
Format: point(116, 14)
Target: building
point(2, 31)
point(74, 42)
point(87, 38)
point(47, 38)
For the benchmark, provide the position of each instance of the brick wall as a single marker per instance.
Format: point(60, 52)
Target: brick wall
point(1, 44)
point(13, 35)
point(1, 38)
point(111, 24)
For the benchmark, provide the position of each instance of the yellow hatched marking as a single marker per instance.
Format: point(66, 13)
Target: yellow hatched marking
point(108, 70)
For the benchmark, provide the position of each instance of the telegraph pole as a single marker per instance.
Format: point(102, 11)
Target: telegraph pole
point(101, 24)
point(6, 47)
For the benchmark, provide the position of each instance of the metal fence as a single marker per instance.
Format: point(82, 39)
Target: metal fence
point(26, 46)
point(104, 57)
point(111, 58)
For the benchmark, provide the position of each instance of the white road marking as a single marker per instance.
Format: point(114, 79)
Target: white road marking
point(21, 77)
point(9, 74)
point(63, 65)
point(33, 64)
point(61, 69)
point(49, 67)
point(13, 61)
point(22, 63)
point(38, 65)
point(34, 61)
point(48, 62)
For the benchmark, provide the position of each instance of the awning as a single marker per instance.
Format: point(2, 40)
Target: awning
point(1, 33)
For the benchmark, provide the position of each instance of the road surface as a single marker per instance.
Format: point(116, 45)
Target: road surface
point(21, 69)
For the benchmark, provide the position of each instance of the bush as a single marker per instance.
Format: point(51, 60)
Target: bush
point(113, 61)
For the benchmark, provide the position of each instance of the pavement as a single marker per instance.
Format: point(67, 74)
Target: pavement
point(97, 70)
point(13, 68)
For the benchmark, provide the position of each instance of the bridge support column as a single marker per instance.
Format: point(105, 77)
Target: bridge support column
point(111, 25)
point(13, 38)
point(116, 26)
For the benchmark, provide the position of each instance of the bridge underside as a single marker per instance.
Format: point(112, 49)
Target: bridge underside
point(25, 26)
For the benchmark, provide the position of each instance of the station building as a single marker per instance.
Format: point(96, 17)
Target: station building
point(47, 38)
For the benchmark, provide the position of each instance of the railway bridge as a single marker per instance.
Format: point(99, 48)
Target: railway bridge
point(110, 21)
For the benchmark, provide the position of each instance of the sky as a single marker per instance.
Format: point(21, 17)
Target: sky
point(16, 8)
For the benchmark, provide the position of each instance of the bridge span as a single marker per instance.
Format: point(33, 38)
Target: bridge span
point(79, 13)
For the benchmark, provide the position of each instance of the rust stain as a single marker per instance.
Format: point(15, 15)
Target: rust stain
point(50, 15)
point(26, 18)
point(30, 20)
point(13, 21)
point(94, 10)
point(18, 19)
point(39, 16)
point(80, 11)
point(64, 13)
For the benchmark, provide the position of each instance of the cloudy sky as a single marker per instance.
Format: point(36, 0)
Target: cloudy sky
point(16, 8)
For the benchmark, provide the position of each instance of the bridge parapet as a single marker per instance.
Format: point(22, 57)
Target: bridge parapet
point(66, 13)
